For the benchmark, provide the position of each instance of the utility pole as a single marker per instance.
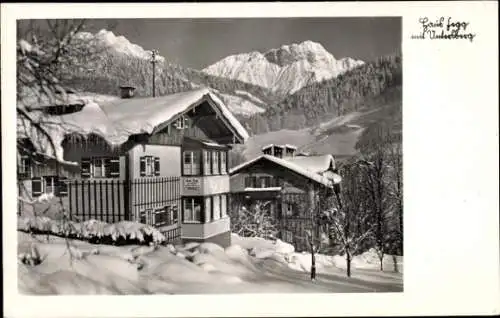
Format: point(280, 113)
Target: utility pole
point(153, 62)
point(312, 207)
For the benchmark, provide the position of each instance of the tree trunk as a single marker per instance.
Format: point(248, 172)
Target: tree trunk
point(400, 228)
point(313, 266)
point(382, 263)
point(348, 263)
point(395, 261)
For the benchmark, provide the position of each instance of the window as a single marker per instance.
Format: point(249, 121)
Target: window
point(24, 167)
point(223, 205)
point(208, 209)
point(146, 216)
point(288, 209)
point(161, 216)
point(207, 163)
point(248, 182)
point(100, 167)
point(149, 166)
point(166, 216)
point(288, 236)
point(223, 164)
point(215, 162)
point(191, 163)
point(182, 123)
point(217, 210)
point(192, 210)
point(49, 184)
point(265, 182)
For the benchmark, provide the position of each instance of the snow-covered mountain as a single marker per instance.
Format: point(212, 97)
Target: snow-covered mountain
point(285, 69)
point(239, 102)
point(120, 44)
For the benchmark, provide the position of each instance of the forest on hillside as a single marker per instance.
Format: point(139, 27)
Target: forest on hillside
point(110, 70)
point(328, 99)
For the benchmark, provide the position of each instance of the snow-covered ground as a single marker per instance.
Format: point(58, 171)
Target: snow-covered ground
point(249, 265)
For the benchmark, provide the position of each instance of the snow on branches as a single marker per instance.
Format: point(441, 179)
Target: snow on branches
point(255, 221)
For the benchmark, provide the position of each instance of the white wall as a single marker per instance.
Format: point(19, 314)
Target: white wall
point(170, 159)
point(206, 230)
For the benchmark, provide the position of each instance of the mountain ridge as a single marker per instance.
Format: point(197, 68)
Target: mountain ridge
point(284, 70)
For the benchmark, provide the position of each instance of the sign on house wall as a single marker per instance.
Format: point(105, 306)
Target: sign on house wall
point(192, 184)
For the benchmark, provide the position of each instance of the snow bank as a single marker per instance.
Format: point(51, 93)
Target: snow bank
point(283, 252)
point(87, 268)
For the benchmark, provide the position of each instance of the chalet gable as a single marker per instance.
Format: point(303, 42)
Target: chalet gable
point(292, 167)
point(210, 118)
point(199, 107)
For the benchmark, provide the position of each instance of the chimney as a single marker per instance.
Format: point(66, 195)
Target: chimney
point(127, 91)
point(290, 150)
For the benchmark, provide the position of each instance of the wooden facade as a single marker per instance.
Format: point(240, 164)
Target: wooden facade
point(293, 198)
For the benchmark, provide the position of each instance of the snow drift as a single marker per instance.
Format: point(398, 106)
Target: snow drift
point(77, 267)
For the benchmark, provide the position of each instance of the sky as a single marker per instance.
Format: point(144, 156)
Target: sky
point(198, 43)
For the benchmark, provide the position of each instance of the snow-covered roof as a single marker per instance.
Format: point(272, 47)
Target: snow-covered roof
point(267, 146)
point(115, 120)
point(33, 98)
point(316, 164)
point(143, 115)
point(288, 165)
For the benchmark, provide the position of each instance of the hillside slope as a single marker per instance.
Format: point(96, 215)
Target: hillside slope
point(320, 102)
point(341, 136)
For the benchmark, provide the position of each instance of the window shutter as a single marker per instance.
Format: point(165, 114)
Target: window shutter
point(175, 214)
point(113, 168)
point(157, 166)
point(85, 168)
point(247, 182)
point(142, 217)
point(36, 187)
point(142, 166)
point(62, 187)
